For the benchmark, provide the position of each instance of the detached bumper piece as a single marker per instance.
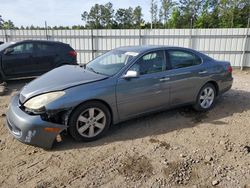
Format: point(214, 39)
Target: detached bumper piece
point(31, 129)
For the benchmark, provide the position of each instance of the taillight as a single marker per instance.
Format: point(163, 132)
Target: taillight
point(230, 69)
point(72, 53)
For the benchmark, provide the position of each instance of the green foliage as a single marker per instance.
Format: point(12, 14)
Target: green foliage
point(99, 16)
point(174, 14)
point(137, 17)
point(175, 21)
point(6, 24)
point(1, 22)
point(124, 18)
point(165, 10)
point(154, 13)
point(163, 13)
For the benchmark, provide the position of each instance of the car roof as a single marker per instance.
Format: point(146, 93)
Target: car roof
point(43, 41)
point(142, 49)
point(148, 48)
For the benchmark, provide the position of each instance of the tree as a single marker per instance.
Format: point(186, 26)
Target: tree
point(124, 18)
point(99, 16)
point(154, 13)
point(9, 25)
point(233, 13)
point(190, 10)
point(1, 22)
point(165, 10)
point(107, 13)
point(175, 19)
point(93, 18)
point(137, 17)
point(77, 27)
point(204, 19)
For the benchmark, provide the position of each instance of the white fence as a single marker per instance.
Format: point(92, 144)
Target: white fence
point(223, 44)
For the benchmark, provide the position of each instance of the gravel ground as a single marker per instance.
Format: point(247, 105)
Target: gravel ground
point(175, 148)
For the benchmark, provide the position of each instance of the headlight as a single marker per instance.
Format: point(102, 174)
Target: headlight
point(40, 101)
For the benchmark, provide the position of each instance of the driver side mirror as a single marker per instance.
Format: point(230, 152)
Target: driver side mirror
point(8, 51)
point(131, 74)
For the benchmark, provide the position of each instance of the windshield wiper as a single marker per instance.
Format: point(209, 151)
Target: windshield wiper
point(83, 65)
point(91, 69)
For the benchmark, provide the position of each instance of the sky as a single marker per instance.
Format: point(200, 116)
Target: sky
point(58, 12)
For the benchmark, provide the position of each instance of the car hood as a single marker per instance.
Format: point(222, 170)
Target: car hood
point(59, 79)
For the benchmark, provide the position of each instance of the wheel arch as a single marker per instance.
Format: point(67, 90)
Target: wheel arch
point(215, 84)
point(95, 100)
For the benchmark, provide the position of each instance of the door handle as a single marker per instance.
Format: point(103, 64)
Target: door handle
point(164, 79)
point(203, 72)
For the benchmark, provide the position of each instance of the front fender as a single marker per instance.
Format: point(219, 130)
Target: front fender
point(102, 91)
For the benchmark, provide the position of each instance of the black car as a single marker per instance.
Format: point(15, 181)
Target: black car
point(33, 58)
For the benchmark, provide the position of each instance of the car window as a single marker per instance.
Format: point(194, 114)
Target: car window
point(111, 62)
point(150, 63)
point(180, 59)
point(23, 48)
point(114, 59)
point(44, 47)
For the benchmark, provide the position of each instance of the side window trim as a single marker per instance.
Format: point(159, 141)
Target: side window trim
point(167, 60)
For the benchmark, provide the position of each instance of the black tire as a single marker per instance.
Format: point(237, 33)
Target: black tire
point(1, 78)
point(73, 121)
point(198, 106)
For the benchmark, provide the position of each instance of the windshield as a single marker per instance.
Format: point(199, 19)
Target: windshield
point(111, 62)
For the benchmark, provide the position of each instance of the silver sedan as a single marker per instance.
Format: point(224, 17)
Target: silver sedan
point(121, 84)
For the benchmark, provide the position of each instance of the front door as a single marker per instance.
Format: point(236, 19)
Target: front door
point(20, 61)
point(149, 91)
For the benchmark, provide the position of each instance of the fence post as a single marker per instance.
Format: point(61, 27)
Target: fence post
point(190, 34)
point(245, 44)
point(6, 36)
point(46, 31)
point(92, 44)
point(140, 39)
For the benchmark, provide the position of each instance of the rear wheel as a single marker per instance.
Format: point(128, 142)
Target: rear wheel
point(206, 97)
point(90, 121)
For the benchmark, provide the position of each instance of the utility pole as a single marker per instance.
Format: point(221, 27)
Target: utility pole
point(190, 33)
point(152, 13)
point(46, 30)
point(245, 44)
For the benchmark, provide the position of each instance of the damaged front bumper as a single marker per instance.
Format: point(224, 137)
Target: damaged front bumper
point(31, 129)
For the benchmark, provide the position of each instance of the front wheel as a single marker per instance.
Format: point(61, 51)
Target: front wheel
point(205, 98)
point(89, 121)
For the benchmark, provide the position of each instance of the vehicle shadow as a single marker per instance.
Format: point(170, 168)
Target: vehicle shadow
point(234, 101)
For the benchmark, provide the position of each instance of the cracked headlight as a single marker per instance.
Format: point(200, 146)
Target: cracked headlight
point(38, 102)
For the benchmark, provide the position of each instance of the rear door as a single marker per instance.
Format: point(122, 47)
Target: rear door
point(186, 76)
point(45, 55)
point(148, 92)
point(20, 61)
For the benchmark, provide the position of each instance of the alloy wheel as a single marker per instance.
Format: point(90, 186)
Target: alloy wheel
point(91, 122)
point(207, 97)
